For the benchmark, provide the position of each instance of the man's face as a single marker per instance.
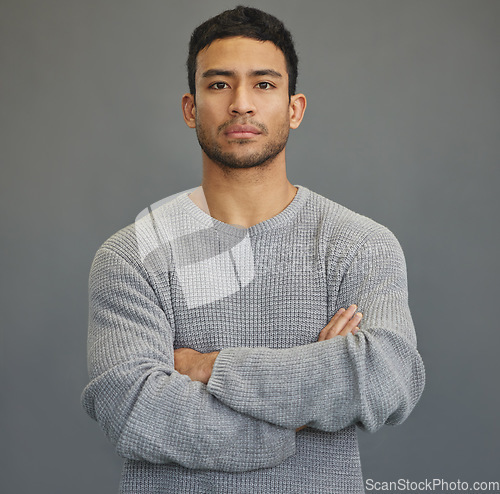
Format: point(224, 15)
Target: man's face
point(242, 109)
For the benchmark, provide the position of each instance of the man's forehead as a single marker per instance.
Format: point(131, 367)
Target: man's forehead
point(241, 54)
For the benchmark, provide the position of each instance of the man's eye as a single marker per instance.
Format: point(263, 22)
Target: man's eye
point(218, 85)
point(264, 85)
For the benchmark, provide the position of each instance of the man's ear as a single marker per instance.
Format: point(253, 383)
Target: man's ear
point(298, 105)
point(189, 110)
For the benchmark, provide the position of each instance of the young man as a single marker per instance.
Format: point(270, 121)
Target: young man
point(227, 349)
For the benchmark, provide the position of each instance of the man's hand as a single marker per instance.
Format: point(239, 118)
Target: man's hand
point(198, 366)
point(344, 321)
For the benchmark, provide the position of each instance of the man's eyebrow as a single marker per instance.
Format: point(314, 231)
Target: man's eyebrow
point(271, 72)
point(214, 72)
point(232, 73)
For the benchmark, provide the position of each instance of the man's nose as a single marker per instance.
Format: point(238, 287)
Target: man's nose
point(242, 103)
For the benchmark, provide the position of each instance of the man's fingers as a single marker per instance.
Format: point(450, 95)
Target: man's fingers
point(342, 323)
point(352, 324)
point(331, 323)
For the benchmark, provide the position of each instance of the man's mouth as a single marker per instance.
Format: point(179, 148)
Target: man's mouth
point(241, 131)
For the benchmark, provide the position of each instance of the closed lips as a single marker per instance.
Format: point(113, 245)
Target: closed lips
point(242, 129)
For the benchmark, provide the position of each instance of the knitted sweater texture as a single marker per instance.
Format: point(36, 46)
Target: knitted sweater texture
point(180, 278)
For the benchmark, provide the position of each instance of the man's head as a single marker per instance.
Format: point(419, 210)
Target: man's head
point(247, 22)
point(242, 101)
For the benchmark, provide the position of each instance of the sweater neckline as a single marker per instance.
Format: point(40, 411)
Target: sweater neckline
point(278, 220)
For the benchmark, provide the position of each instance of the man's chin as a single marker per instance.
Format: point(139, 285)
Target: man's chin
point(241, 155)
point(239, 161)
point(239, 164)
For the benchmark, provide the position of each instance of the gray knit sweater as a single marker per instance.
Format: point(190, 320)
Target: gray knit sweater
point(179, 278)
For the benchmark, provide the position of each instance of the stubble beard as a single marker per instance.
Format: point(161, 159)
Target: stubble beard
point(231, 161)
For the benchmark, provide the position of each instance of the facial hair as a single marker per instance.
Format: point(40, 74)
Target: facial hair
point(230, 160)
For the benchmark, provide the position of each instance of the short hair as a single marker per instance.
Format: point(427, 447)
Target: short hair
point(247, 22)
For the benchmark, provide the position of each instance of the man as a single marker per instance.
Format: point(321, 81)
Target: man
point(240, 331)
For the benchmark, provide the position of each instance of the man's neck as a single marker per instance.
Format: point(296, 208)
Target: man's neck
point(244, 197)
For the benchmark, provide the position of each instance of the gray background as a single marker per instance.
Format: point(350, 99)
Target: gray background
point(403, 125)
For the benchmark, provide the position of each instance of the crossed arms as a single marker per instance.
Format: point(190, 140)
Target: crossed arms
point(243, 410)
point(198, 366)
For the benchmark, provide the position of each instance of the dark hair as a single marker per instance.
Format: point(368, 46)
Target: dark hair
point(247, 22)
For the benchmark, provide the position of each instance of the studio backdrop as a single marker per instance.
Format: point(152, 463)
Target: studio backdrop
point(402, 125)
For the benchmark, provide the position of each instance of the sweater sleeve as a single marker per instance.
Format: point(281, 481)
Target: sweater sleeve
point(147, 409)
point(370, 379)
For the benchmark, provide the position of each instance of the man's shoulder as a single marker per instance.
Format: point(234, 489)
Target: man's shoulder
point(153, 229)
point(339, 221)
point(346, 234)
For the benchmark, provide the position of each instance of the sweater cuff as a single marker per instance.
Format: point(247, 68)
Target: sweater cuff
point(215, 385)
